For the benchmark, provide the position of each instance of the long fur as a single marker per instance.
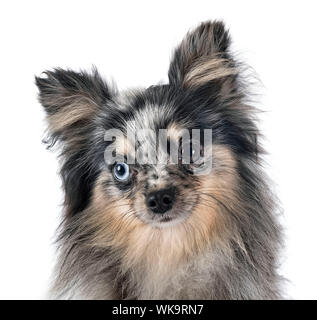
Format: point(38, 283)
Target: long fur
point(228, 243)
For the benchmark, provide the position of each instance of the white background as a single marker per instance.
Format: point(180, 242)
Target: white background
point(132, 42)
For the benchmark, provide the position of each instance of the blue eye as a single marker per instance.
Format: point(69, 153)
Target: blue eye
point(121, 171)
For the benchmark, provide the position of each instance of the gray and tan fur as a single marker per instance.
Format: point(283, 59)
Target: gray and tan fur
point(220, 240)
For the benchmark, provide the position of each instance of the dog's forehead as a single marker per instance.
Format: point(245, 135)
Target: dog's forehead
point(142, 136)
point(148, 122)
point(152, 116)
point(154, 123)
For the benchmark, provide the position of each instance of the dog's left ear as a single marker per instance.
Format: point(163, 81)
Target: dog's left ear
point(203, 58)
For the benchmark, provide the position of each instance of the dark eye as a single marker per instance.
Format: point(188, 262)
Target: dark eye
point(121, 171)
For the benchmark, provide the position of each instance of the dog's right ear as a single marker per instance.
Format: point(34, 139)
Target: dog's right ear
point(71, 101)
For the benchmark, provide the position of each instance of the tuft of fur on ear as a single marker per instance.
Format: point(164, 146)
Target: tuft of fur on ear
point(72, 101)
point(70, 98)
point(202, 57)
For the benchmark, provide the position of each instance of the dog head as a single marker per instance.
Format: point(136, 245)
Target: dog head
point(146, 134)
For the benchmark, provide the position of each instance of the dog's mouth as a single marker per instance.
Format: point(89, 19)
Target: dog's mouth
point(169, 220)
point(176, 215)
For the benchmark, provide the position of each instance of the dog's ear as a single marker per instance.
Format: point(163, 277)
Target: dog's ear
point(202, 57)
point(71, 100)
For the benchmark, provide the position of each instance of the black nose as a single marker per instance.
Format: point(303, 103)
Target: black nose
point(161, 201)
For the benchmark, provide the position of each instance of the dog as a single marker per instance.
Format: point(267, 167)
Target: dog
point(163, 229)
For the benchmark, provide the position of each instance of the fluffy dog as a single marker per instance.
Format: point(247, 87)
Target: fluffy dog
point(160, 230)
